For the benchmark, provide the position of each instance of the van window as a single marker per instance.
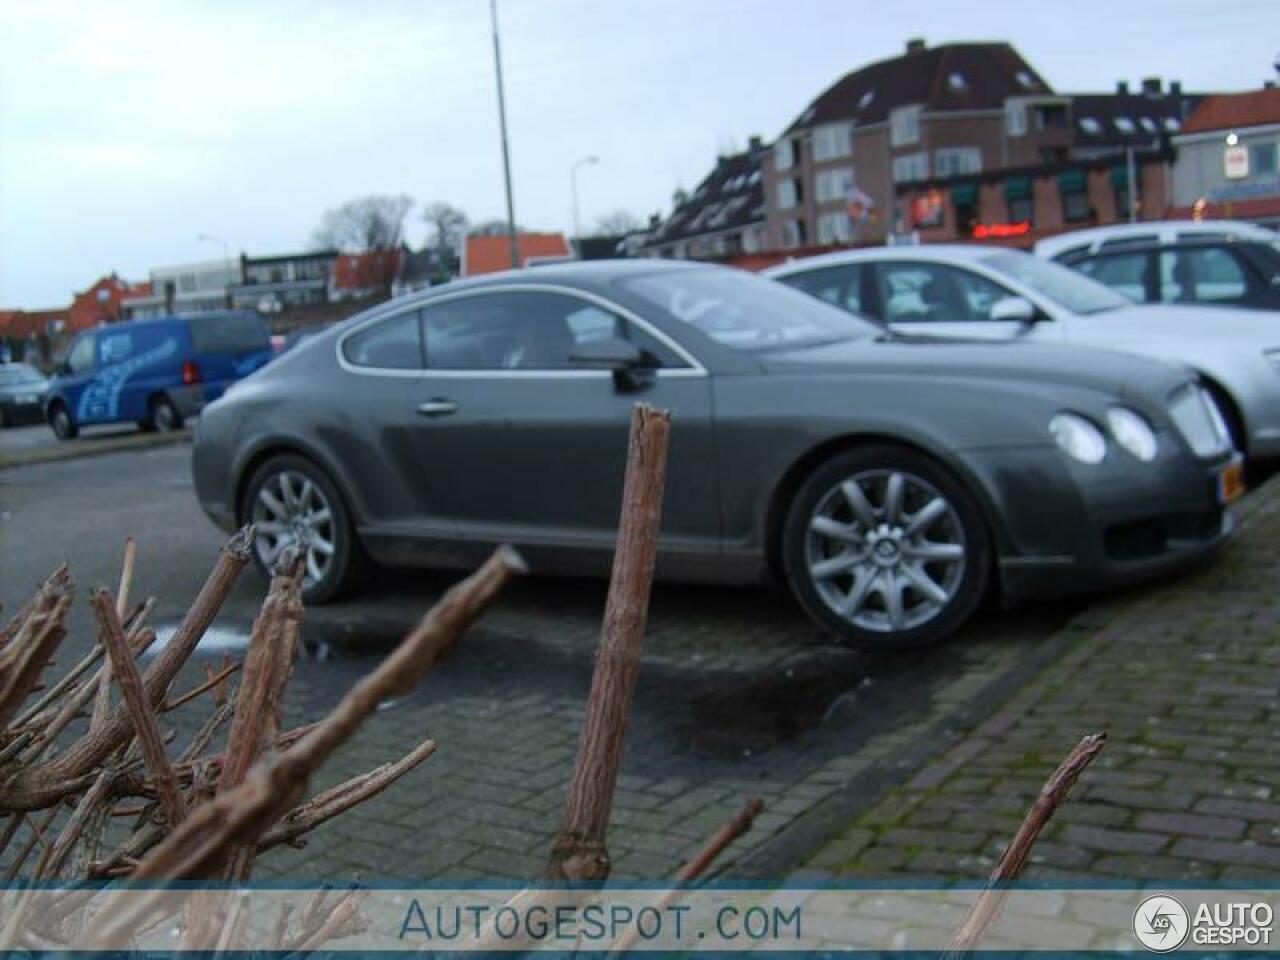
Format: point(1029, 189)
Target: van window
point(229, 333)
point(80, 358)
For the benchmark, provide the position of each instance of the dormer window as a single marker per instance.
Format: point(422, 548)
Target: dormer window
point(956, 82)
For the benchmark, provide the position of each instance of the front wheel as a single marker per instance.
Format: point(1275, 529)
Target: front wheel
point(64, 427)
point(292, 503)
point(882, 546)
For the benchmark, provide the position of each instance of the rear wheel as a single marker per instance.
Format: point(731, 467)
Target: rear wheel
point(293, 504)
point(64, 427)
point(164, 415)
point(882, 546)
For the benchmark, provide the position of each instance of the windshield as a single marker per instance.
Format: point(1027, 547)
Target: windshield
point(749, 312)
point(1064, 287)
point(19, 373)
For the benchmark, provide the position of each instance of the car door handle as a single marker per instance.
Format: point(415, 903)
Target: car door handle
point(438, 407)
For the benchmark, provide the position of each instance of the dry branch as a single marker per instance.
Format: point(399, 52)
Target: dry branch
point(579, 852)
point(987, 907)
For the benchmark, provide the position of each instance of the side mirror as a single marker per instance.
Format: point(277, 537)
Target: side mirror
point(1017, 309)
point(623, 357)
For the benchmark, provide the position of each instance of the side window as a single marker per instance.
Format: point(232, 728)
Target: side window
point(524, 330)
point(80, 359)
point(935, 293)
point(114, 347)
point(1124, 273)
point(1195, 274)
point(838, 286)
point(590, 322)
point(391, 344)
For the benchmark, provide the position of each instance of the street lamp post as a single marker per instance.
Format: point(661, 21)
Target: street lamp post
point(573, 187)
point(226, 258)
point(502, 126)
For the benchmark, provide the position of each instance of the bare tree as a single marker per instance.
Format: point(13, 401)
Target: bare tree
point(448, 225)
point(616, 224)
point(493, 228)
point(375, 222)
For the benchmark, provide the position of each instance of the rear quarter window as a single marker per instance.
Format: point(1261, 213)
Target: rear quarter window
point(229, 333)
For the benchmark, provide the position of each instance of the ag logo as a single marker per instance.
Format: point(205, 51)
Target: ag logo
point(1161, 923)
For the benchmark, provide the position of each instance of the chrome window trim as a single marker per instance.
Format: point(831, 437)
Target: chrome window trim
point(695, 368)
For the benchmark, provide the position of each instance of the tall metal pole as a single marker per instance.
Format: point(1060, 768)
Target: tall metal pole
point(573, 187)
point(502, 124)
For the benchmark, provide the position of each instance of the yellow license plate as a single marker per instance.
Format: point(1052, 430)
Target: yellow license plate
point(1231, 482)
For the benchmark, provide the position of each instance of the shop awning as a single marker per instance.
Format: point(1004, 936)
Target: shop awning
point(1017, 188)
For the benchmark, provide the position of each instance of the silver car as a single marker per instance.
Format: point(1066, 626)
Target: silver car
point(961, 290)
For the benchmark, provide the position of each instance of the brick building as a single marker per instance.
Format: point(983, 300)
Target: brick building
point(1228, 162)
point(833, 175)
point(723, 217)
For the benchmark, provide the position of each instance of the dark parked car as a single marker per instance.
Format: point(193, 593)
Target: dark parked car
point(888, 481)
point(1222, 271)
point(22, 390)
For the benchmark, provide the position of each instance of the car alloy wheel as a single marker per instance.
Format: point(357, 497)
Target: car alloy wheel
point(290, 510)
point(885, 550)
point(63, 426)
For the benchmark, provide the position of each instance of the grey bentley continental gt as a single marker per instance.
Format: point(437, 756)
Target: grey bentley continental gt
point(888, 482)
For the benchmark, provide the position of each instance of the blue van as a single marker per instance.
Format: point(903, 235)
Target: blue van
point(153, 372)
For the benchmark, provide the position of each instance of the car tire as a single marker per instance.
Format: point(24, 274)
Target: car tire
point(164, 416)
point(297, 495)
point(63, 424)
point(883, 547)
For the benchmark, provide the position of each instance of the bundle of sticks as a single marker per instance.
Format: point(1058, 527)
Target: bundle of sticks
point(74, 758)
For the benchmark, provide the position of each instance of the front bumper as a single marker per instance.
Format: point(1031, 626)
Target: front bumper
point(1070, 528)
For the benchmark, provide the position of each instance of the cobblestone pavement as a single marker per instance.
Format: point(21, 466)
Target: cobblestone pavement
point(1185, 678)
point(738, 695)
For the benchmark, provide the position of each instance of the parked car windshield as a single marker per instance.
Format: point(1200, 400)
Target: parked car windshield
point(1064, 287)
point(19, 373)
point(748, 312)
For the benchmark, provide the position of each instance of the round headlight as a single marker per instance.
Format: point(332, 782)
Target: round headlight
point(1078, 438)
point(1132, 432)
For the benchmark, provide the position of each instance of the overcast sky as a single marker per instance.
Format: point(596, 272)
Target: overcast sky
point(129, 128)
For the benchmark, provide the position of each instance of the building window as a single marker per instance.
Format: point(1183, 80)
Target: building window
point(1075, 207)
point(904, 125)
point(1090, 125)
point(1021, 210)
point(788, 196)
point(913, 166)
point(1124, 125)
point(784, 155)
point(1015, 118)
point(1262, 159)
point(793, 234)
point(834, 228)
point(832, 141)
point(955, 161)
point(834, 184)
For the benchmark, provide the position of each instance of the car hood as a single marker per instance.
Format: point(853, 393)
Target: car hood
point(1190, 320)
point(985, 360)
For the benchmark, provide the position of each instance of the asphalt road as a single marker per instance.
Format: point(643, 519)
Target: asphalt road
point(737, 688)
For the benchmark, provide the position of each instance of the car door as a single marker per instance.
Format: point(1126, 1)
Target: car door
point(519, 444)
point(75, 373)
point(920, 297)
point(1131, 273)
point(1203, 273)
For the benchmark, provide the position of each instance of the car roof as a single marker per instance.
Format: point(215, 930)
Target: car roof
point(1161, 232)
point(936, 252)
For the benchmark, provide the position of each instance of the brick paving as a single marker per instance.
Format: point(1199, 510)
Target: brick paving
point(1184, 677)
